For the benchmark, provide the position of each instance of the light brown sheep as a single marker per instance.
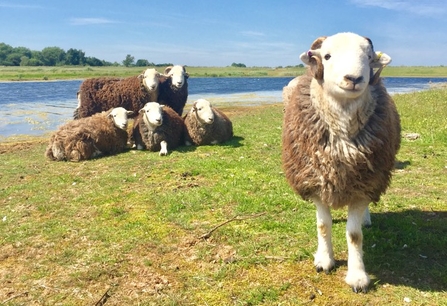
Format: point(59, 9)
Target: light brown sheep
point(101, 134)
point(341, 133)
point(206, 125)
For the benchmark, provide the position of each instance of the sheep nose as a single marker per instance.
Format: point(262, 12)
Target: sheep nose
point(353, 79)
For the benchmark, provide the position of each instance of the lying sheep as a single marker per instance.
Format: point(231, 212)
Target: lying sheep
point(206, 125)
point(101, 134)
point(174, 91)
point(157, 127)
point(341, 134)
point(99, 94)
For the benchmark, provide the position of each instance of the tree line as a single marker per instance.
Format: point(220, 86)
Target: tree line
point(55, 56)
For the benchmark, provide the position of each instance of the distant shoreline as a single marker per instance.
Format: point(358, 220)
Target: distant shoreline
point(70, 73)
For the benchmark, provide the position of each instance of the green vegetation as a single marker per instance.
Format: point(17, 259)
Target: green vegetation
point(20, 73)
point(132, 225)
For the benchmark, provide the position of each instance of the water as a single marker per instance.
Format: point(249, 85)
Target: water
point(38, 108)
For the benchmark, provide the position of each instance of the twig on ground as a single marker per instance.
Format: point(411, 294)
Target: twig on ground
point(14, 297)
point(103, 299)
point(235, 218)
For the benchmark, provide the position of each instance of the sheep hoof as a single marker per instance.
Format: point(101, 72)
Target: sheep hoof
point(360, 289)
point(326, 271)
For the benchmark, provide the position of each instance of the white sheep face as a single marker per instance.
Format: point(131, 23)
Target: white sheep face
point(177, 74)
point(347, 60)
point(119, 116)
point(151, 79)
point(152, 114)
point(204, 112)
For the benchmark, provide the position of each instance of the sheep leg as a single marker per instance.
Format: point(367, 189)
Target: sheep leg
point(367, 218)
point(324, 257)
point(164, 148)
point(356, 277)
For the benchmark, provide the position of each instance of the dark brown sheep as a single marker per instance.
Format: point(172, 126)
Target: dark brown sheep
point(341, 134)
point(99, 94)
point(156, 128)
point(101, 134)
point(174, 91)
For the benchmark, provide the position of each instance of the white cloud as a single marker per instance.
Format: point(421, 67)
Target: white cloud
point(88, 21)
point(252, 33)
point(19, 6)
point(428, 8)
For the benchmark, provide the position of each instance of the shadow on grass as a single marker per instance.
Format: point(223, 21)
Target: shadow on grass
point(234, 142)
point(407, 248)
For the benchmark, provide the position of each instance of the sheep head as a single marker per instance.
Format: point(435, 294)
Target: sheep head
point(177, 74)
point(119, 116)
point(152, 113)
point(344, 63)
point(203, 111)
point(151, 78)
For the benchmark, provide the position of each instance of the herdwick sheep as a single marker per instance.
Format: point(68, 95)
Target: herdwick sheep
point(101, 134)
point(341, 133)
point(99, 94)
point(157, 127)
point(206, 125)
point(174, 91)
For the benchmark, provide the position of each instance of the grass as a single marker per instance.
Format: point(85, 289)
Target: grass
point(8, 73)
point(128, 227)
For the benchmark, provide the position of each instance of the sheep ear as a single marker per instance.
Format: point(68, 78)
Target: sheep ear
point(162, 78)
point(141, 111)
point(141, 76)
point(168, 69)
point(380, 59)
point(129, 113)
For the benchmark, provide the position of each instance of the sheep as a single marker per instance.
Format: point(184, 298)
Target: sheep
point(157, 127)
point(206, 125)
point(341, 133)
point(101, 134)
point(174, 91)
point(99, 94)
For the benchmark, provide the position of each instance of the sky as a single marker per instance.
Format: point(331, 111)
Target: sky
point(221, 32)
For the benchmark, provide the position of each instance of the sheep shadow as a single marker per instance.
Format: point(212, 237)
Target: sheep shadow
point(407, 248)
point(234, 142)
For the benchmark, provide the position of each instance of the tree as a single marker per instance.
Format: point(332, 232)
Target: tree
point(143, 63)
point(93, 61)
point(74, 57)
point(129, 60)
point(52, 56)
point(238, 65)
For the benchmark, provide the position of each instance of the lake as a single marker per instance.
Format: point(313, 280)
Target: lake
point(38, 108)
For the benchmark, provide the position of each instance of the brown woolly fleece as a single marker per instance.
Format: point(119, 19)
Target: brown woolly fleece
point(172, 96)
point(84, 138)
point(340, 171)
point(199, 133)
point(171, 131)
point(100, 94)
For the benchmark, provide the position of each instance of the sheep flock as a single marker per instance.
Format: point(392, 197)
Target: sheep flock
point(340, 134)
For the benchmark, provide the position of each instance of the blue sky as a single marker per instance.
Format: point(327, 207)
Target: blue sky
point(218, 33)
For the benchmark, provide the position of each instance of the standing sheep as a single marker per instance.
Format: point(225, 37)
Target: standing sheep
point(157, 127)
point(206, 125)
point(174, 91)
point(341, 134)
point(99, 94)
point(101, 134)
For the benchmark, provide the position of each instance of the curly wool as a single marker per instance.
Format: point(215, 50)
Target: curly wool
point(86, 138)
point(170, 131)
point(100, 94)
point(337, 169)
point(199, 133)
point(172, 96)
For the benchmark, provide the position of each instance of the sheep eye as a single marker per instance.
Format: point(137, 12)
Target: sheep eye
point(327, 57)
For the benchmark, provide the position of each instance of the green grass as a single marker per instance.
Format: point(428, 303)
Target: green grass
point(72, 72)
point(131, 224)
